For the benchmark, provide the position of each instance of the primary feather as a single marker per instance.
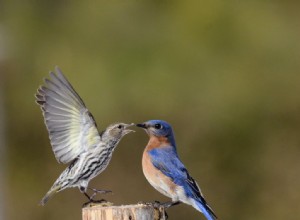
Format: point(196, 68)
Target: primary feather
point(72, 128)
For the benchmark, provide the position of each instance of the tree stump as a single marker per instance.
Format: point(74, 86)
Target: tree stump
point(124, 212)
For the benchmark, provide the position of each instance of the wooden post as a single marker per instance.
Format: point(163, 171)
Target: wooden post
point(124, 212)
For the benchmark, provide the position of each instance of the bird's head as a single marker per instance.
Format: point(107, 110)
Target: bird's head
point(157, 128)
point(116, 131)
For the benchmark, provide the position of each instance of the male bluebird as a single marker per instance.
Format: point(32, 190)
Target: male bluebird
point(74, 136)
point(165, 171)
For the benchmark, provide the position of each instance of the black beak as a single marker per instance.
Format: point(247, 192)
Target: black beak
point(141, 125)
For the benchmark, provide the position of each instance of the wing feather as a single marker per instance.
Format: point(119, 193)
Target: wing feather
point(167, 161)
point(72, 128)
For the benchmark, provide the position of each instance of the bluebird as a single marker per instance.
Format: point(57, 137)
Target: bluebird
point(74, 136)
point(165, 171)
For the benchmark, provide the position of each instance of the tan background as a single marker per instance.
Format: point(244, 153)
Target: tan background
point(225, 74)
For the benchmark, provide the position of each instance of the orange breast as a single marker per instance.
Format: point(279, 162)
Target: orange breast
point(156, 178)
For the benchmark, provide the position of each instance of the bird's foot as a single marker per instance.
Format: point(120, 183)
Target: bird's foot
point(167, 205)
point(162, 207)
point(157, 205)
point(92, 202)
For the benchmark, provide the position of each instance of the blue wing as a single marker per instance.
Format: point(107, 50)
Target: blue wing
point(167, 161)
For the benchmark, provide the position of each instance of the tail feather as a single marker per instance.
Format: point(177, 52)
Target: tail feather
point(205, 209)
point(48, 195)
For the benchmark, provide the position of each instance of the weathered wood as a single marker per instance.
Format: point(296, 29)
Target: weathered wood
point(124, 212)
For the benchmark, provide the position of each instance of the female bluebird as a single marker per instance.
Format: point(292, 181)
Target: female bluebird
point(165, 171)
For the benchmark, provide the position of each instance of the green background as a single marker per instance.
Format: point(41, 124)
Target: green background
point(225, 74)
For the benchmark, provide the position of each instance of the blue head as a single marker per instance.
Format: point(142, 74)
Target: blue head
point(158, 128)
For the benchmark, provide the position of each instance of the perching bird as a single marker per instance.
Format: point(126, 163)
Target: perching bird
point(165, 171)
point(74, 136)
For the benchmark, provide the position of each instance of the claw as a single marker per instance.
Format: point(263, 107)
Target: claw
point(92, 202)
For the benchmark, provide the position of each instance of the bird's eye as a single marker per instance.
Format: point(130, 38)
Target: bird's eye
point(158, 126)
point(120, 126)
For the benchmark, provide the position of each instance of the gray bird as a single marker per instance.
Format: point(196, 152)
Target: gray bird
point(74, 136)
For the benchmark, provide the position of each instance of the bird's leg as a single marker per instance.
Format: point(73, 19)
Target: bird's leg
point(91, 200)
point(167, 205)
point(100, 191)
point(87, 196)
point(83, 190)
point(95, 193)
point(166, 215)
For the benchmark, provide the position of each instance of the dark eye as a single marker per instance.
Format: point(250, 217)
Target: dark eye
point(158, 126)
point(120, 126)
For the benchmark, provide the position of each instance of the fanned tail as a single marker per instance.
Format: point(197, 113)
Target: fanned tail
point(205, 209)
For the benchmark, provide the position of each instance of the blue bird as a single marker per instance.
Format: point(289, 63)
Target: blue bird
point(165, 171)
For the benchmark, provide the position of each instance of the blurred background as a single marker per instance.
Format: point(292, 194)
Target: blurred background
point(226, 75)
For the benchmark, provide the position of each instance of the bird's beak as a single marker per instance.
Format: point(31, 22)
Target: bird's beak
point(143, 125)
point(127, 131)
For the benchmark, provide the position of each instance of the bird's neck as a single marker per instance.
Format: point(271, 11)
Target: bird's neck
point(109, 139)
point(110, 142)
point(159, 142)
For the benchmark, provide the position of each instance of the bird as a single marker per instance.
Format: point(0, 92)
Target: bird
point(74, 136)
point(166, 173)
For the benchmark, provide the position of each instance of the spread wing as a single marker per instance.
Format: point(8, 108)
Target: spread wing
point(72, 128)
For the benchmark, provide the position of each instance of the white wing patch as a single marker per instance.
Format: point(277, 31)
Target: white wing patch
point(72, 128)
